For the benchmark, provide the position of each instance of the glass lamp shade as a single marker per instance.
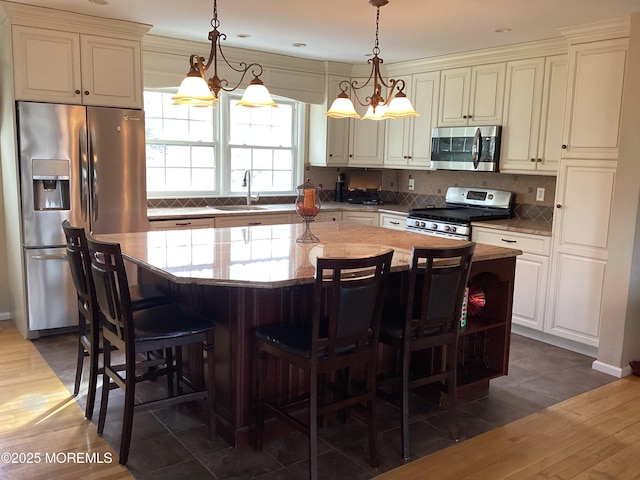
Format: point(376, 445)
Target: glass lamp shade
point(256, 95)
point(194, 91)
point(379, 114)
point(342, 107)
point(400, 107)
point(307, 206)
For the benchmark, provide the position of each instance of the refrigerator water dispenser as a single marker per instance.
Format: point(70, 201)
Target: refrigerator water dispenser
point(50, 184)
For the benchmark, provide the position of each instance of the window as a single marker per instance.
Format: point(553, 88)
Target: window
point(262, 140)
point(181, 147)
point(195, 152)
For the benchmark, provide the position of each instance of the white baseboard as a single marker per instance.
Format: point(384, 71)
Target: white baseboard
point(5, 316)
point(612, 370)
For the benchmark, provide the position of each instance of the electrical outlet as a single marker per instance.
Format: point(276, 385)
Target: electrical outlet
point(411, 184)
point(540, 194)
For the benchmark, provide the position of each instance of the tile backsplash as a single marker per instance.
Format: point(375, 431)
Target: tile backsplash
point(430, 189)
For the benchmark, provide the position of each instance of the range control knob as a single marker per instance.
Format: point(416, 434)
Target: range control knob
point(453, 229)
point(434, 226)
point(447, 228)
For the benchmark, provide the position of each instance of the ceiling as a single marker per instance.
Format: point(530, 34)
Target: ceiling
point(344, 30)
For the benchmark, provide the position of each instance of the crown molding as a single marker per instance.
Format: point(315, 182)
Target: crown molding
point(185, 48)
point(54, 19)
point(542, 48)
point(593, 32)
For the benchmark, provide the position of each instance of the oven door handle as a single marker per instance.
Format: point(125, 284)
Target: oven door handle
point(476, 148)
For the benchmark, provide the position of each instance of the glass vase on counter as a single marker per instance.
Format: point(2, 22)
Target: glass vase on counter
point(307, 206)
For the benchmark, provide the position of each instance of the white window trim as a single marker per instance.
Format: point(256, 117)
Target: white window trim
point(221, 144)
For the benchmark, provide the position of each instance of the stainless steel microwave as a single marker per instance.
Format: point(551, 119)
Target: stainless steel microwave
point(466, 148)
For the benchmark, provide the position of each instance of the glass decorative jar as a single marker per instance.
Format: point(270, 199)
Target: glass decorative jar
point(307, 206)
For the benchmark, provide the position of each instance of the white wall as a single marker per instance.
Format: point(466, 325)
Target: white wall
point(620, 331)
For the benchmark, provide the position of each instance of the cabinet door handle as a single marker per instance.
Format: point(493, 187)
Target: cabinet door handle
point(254, 223)
point(394, 223)
point(506, 240)
point(533, 160)
point(558, 206)
point(330, 155)
point(77, 92)
point(564, 147)
point(539, 160)
point(182, 224)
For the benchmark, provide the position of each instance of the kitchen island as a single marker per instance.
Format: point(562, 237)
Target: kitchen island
point(244, 277)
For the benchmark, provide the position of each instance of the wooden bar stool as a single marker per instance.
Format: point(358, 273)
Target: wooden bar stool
point(342, 335)
point(142, 296)
point(428, 320)
point(136, 333)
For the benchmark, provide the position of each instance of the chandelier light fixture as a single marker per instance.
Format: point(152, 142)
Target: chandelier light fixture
point(379, 107)
point(196, 90)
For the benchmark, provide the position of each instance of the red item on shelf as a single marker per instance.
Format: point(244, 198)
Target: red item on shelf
point(476, 302)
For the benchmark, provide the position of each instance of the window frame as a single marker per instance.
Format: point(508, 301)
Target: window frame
point(222, 150)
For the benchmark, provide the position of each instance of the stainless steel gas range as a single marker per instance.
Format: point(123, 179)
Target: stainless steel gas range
point(463, 206)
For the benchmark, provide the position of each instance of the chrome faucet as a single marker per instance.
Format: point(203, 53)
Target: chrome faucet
point(246, 182)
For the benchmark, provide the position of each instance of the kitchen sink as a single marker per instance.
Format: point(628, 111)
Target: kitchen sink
point(239, 208)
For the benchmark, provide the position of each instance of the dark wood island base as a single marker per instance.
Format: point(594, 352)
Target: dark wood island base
point(241, 294)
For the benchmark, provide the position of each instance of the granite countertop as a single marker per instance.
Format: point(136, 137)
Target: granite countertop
point(268, 256)
point(213, 211)
point(534, 227)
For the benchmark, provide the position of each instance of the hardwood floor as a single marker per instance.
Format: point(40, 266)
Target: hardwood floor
point(43, 433)
point(595, 435)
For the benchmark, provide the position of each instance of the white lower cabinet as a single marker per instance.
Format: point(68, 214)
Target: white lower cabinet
point(252, 220)
point(393, 221)
point(532, 271)
point(181, 224)
point(363, 218)
point(326, 217)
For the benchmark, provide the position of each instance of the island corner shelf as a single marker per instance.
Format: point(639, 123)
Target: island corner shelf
point(245, 277)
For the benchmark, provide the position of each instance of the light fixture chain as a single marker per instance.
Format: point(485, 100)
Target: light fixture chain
point(215, 23)
point(376, 48)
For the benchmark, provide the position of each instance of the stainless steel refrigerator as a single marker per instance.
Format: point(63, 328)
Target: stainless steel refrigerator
point(85, 164)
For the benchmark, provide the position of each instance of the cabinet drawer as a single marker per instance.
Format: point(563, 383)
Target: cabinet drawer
point(181, 224)
point(395, 222)
point(537, 244)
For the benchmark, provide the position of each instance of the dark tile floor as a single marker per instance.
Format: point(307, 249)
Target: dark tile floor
point(172, 443)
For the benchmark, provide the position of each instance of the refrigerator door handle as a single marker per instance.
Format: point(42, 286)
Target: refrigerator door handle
point(94, 174)
point(84, 174)
point(49, 257)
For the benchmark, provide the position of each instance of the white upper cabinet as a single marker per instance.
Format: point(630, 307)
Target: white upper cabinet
point(366, 143)
point(56, 66)
point(594, 99)
point(408, 141)
point(533, 115)
point(472, 95)
point(339, 142)
point(329, 137)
